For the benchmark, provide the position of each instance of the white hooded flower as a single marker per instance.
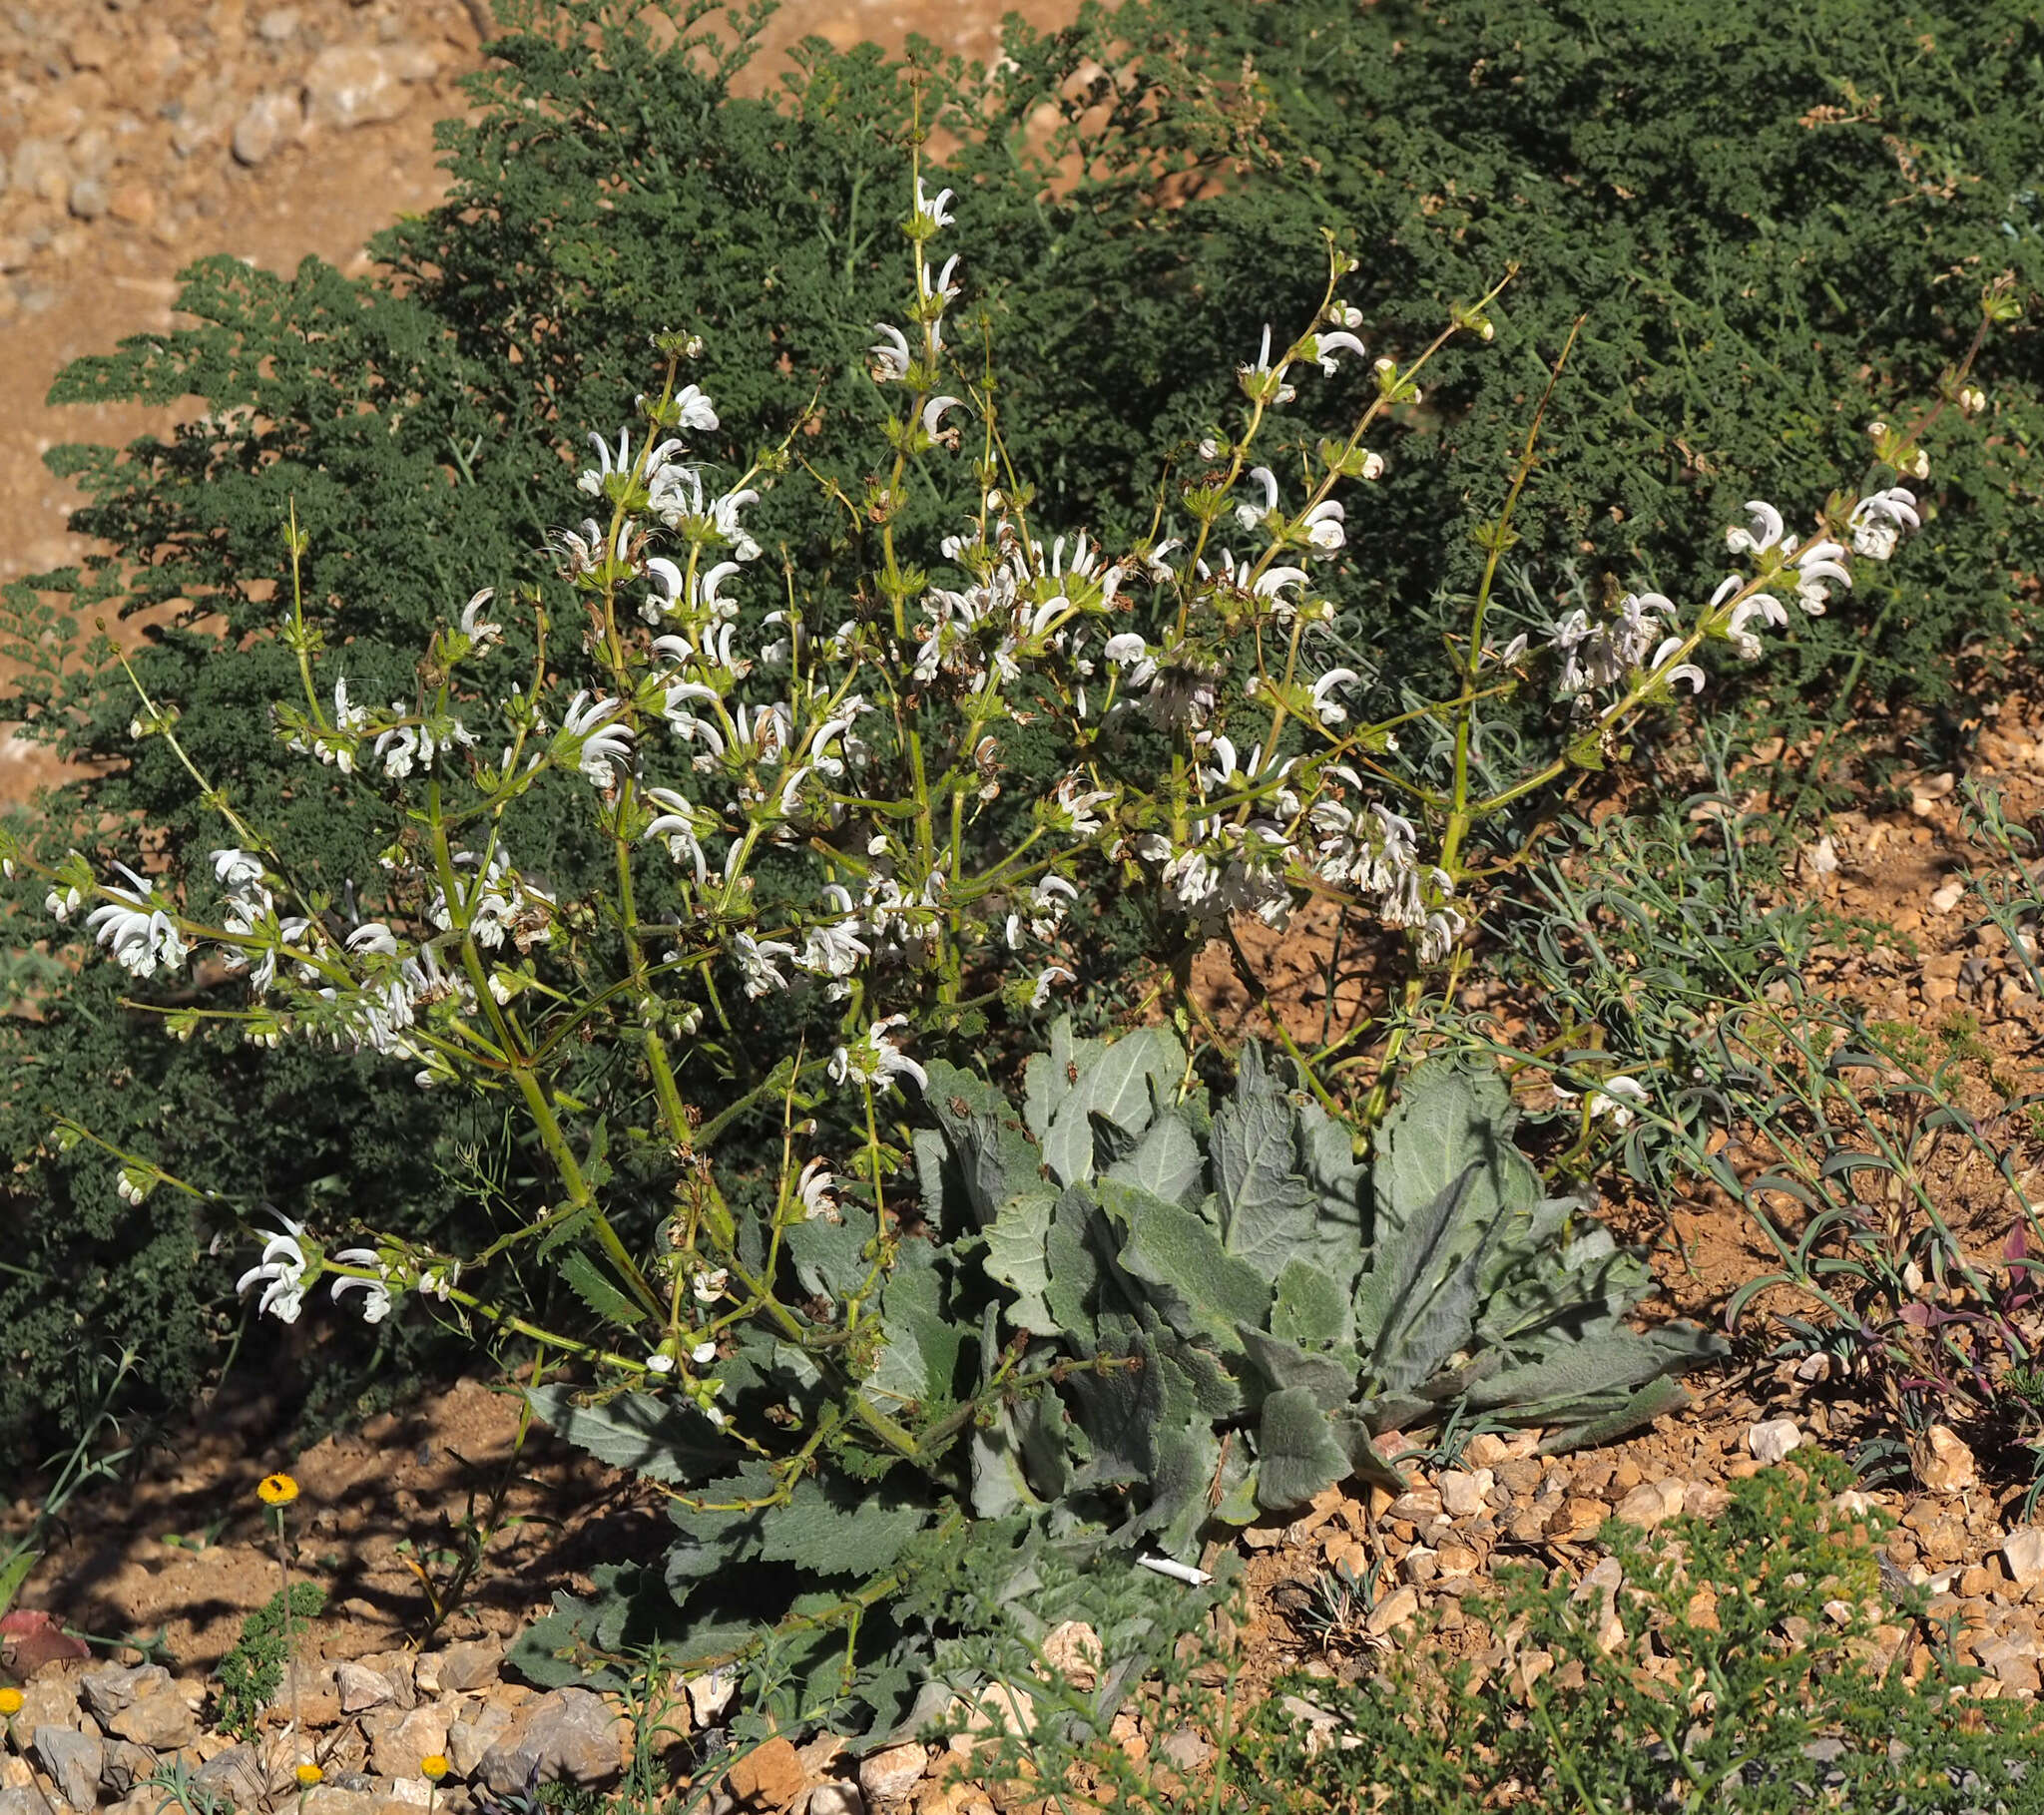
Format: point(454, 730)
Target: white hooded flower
point(282, 1273)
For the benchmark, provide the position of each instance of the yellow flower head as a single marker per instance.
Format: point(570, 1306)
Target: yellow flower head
point(10, 1703)
point(309, 1774)
point(434, 1767)
point(277, 1490)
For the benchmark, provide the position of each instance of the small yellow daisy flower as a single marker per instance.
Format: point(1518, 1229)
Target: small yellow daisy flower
point(434, 1767)
point(277, 1490)
point(10, 1703)
point(309, 1774)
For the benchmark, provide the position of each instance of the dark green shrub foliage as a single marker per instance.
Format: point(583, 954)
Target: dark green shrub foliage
point(1767, 220)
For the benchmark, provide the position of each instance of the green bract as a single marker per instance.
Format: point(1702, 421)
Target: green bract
point(1125, 1321)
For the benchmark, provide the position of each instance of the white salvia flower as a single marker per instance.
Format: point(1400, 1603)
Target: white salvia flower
point(480, 631)
point(1044, 978)
point(591, 481)
point(139, 936)
point(1249, 514)
point(63, 906)
point(375, 1292)
point(936, 212)
point(1817, 565)
point(1323, 526)
point(1326, 346)
point(1616, 1099)
point(1764, 534)
point(1877, 521)
point(1344, 314)
point(874, 1059)
point(702, 1354)
point(373, 936)
point(659, 1364)
point(1332, 711)
point(1683, 670)
point(817, 1189)
point(889, 354)
point(439, 1282)
point(1762, 605)
point(1263, 369)
point(281, 1270)
point(595, 744)
point(708, 1287)
point(694, 404)
point(1372, 466)
point(834, 950)
point(933, 414)
point(756, 960)
point(1973, 400)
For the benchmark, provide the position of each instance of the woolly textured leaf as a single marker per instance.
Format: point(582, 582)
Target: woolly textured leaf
point(1119, 1411)
point(1449, 1118)
point(1438, 1324)
point(1088, 1294)
point(992, 1154)
point(1266, 1205)
point(652, 1437)
point(1167, 1162)
point(840, 1532)
point(1126, 1083)
point(1312, 1305)
point(1296, 1454)
point(1657, 1397)
point(589, 1283)
point(1568, 1373)
point(1405, 1268)
point(1199, 1288)
point(830, 1257)
point(1187, 1456)
point(919, 1360)
point(1331, 1378)
point(1016, 1256)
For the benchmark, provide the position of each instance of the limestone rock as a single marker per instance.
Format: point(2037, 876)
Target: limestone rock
point(566, 1733)
point(268, 123)
point(1652, 1503)
point(73, 1762)
point(113, 1688)
point(471, 1736)
point(236, 1774)
point(24, 1801)
point(836, 1798)
point(1770, 1442)
point(355, 84)
point(460, 1667)
point(1398, 1609)
point(887, 1777)
point(395, 1751)
point(1072, 1650)
point(124, 1764)
point(1947, 1465)
point(158, 1717)
point(2023, 1551)
point(362, 1689)
point(768, 1777)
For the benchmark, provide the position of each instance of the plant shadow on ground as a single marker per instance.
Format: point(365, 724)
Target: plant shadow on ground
point(183, 1548)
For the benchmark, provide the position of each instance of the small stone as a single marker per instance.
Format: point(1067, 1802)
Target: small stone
point(2023, 1551)
point(278, 26)
point(1456, 1559)
point(889, 1776)
point(569, 1733)
point(1704, 1500)
point(25, 1800)
point(1183, 1750)
point(1575, 1520)
point(1770, 1442)
point(73, 1762)
point(1650, 1504)
point(113, 1688)
point(1464, 1494)
point(470, 1738)
point(362, 1689)
point(396, 1752)
point(87, 199)
point(1398, 1609)
point(42, 169)
point(1948, 1465)
point(124, 1764)
point(1943, 900)
point(1977, 1583)
point(352, 84)
point(236, 1774)
point(467, 1667)
point(710, 1695)
point(1010, 1709)
point(1485, 1450)
point(160, 1717)
point(768, 1777)
point(266, 122)
point(836, 1798)
point(1072, 1650)
point(2015, 1673)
